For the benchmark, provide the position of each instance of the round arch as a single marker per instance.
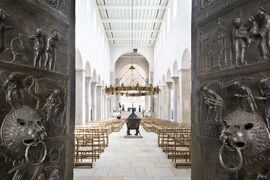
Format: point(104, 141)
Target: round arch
point(87, 69)
point(169, 76)
point(118, 52)
point(123, 63)
point(186, 59)
point(185, 85)
point(175, 69)
point(79, 61)
point(94, 77)
point(130, 54)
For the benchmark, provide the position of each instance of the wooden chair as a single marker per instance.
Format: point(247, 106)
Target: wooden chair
point(83, 149)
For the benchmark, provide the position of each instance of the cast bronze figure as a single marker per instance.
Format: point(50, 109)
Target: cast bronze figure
point(38, 47)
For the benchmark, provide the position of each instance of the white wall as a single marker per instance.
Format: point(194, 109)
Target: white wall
point(91, 39)
point(174, 38)
point(92, 63)
point(172, 60)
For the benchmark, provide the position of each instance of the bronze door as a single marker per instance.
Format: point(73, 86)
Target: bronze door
point(37, 89)
point(230, 89)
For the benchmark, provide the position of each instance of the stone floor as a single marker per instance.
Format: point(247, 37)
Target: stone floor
point(132, 159)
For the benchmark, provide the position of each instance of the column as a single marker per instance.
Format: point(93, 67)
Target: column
point(152, 104)
point(147, 103)
point(165, 102)
point(109, 107)
point(147, 99)
point(117, 97)
point(105, 105)
point(175, 98)
point(169, 85)
point(156, 106)
point(80, 100)
point(185, 96)
point(159, 102)
point(161, 106)
point(152, 101)
point(98, 102)
point(87, 99)
point(103, 108)
point(93, 100)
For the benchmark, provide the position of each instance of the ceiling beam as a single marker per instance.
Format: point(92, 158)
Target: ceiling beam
point(129, 7)
point(129, 20)
point(130, 30)
point(134, 45)
point(130, 39)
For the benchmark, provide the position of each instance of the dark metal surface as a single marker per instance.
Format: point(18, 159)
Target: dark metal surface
point(133, 122)
point(36, 89)
point(231, 86)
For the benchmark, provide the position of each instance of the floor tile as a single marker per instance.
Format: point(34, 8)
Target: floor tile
point(133, 159)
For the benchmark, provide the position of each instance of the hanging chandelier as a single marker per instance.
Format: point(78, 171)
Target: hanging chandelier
point(133, 89)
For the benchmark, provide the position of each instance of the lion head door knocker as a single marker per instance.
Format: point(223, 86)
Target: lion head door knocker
point(22, 131)
point(246, 136)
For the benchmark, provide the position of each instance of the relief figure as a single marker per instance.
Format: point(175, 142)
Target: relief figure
point(240, 41)
point(38, 47)
point(13, 87)
point(263, 32)
point(3, 28)
point(50, 51)
point(53, 105)
point(54, 175)
point(246, 97)
point(265, 96)
point(213, 103)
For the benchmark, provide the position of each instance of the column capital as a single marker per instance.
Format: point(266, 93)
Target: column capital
point(94, 83)
point(186, 69)
point(80, 70)
point(174, 78)
point(88, 78)
point(169, 84)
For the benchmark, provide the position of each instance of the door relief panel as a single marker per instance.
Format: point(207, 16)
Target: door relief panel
point(231, 82)
point(36, 84)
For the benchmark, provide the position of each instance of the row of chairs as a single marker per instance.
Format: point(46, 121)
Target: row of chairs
point(173, 138)
point(113, 125)
point(92, 139)
point(154, 125)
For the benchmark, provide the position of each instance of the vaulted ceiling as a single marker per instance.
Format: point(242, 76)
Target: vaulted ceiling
point(122, 18)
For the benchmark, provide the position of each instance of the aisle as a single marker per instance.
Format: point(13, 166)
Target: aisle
point(132, 159)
